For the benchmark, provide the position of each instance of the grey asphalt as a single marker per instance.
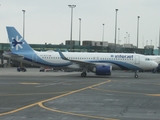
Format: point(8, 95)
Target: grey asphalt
point(38, 95)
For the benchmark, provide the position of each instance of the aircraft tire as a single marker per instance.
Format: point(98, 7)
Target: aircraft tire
point(136, 76)
point(83, 74)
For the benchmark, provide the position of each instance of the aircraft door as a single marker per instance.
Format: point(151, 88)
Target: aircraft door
point(97, 59)
point(137, 61)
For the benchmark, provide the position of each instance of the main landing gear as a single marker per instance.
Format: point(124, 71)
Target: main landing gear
point(136, 75)
point(83, 74)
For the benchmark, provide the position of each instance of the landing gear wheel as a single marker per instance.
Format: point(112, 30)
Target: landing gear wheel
point(136, 76)
point(83, 74)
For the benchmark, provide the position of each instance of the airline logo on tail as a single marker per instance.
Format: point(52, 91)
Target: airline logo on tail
point(17, 43)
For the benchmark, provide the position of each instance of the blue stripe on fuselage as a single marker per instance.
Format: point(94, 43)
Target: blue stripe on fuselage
point(122, 65)
point(29, 57)
point(48, 64)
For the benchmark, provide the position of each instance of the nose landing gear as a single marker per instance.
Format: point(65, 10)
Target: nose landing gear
point(136, 75)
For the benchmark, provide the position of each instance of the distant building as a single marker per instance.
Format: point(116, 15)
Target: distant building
point(94, 43)
point(74, 42)
point(149, 47)
point(111, 44)
point(128, 46)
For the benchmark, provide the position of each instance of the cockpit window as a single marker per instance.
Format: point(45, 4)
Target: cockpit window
point(147, 59)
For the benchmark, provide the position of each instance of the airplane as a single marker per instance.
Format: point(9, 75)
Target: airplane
point(98, 63)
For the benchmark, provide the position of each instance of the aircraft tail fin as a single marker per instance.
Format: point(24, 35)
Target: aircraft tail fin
point(17, 43)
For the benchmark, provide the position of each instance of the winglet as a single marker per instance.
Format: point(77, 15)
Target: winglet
point(62, 56)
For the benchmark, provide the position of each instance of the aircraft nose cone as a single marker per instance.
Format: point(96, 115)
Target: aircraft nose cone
point(155, 64)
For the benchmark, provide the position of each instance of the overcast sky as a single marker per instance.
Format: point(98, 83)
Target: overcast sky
point(49, 21)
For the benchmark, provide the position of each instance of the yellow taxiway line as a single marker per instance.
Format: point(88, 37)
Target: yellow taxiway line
point(69, 113)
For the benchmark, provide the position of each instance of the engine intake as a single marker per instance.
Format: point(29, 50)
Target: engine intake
point(103, 70)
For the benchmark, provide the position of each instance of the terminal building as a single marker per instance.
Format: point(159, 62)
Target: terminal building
point(85, 46)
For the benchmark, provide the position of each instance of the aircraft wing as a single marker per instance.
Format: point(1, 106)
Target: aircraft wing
point(84, 64)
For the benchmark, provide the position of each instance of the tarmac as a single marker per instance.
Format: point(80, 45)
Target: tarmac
point(35, 95)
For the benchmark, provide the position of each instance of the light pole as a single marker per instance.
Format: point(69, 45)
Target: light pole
point(21, 64)
point(103, 33)
point(159, 38)
point(146, 42)
point(79, 31)
point(137, 30)
point(115, 29)
point(126, 37)
point(23, 22)
point(118, 35)
point(71, 6)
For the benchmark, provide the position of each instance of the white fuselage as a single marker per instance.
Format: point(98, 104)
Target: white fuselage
point(155, 58)
point(125, 61)
point(116, 60)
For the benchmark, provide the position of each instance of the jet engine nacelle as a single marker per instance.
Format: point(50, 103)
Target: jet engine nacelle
point(103, 70)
